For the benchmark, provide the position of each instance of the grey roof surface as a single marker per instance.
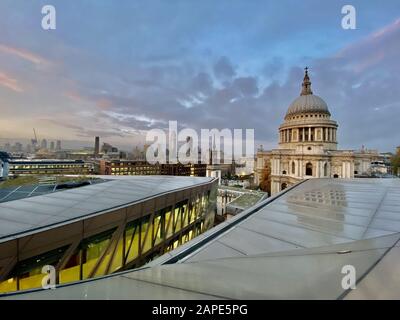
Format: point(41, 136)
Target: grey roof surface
point(293, 247)
point(33, 190)
point(318, 212)
point(23, 215)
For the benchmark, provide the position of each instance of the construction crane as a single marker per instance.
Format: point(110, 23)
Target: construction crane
point(34, 140)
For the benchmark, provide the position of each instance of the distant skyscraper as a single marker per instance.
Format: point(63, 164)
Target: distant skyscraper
point(96, 146)
point(52, 145)
point(43, 145)
point(18, 147)
point(58, 145)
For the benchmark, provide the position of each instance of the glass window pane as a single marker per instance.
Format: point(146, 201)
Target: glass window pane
point(178, 218)
point(93, 249)
point(72, 269)
point(8, 285)
point(185, 215)
point(29, 271)
point(118, 256)
point(158, 229)
point(192, 213)
point(146, 237)
point(132, 242)
point(169, 224)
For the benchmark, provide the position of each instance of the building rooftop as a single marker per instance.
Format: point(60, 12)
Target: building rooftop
point(291, 246)
point(31, 186)
point(44, 161)
point(43, 211)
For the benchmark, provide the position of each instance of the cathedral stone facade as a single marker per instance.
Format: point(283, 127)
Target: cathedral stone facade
point(308, 147)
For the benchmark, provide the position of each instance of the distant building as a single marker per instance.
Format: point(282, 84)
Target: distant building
point(52, 146)
point(43, 145)
point(244, 166)
point(96, 146)
point(133, 167)
point(48, 166)
point(28, 148)
point(379, 168)
point(18, 147)
point(108, 148)
point(58, 145)
point(75, 155)
point(4, 158)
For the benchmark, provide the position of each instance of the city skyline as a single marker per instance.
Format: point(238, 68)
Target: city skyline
point(110, 76)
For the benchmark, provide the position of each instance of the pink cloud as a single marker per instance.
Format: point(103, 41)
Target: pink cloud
point(104, 104)
point(9, 82)
point(387, 29)
point(75, 96)
point(374, 48)
point(23, 54)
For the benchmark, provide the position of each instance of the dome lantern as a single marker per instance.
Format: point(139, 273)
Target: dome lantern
point(306, 84)
point(307, 102)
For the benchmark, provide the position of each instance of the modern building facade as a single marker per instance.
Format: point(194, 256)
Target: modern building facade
point(137, 167)
point(308, 146)
point(100, 229)
point(48, 166)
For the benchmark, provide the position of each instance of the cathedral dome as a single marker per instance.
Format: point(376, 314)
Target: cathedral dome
point(307, 102)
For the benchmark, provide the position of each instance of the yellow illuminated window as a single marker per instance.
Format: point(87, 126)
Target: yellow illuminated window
point(71, 271)
point(146, 232)
point(29, 272)
point(8, 285)
point(169, 223)
point(158, 229)
point(93, 249)
point(178, 218)
point(132, 242)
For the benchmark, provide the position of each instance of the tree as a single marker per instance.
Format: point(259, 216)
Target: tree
point(395, 162)
point(265, 183)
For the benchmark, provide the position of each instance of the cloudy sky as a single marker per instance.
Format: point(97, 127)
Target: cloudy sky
point(116, 68)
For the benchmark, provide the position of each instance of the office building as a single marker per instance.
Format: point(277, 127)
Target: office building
point(99, 229)
point(134, 167)
point(96, 146)
point(18, 167)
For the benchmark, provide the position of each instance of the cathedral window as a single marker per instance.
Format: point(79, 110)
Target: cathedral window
point(309, 169)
